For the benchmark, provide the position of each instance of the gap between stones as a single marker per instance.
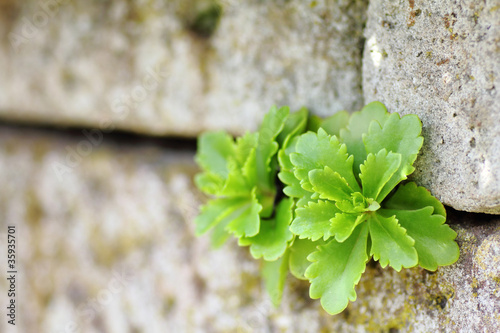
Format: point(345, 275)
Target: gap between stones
point(122, 139)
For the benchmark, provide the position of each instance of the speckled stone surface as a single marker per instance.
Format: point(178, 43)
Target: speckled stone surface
point(150, 67)
point(441, 60)
point(107, 246)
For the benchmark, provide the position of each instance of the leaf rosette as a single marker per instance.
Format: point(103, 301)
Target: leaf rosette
point(342, 201)
point(240, 176)
point(344, 178)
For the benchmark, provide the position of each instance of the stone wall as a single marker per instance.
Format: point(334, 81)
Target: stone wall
point(440, 60)
point(109, 246)
point(104, 217)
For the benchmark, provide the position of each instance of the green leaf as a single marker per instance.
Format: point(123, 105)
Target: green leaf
point(329, 184)
point(313, 220)
point(314, 123)
point(377, 171)
point(265, 196)
point(299, 251)
point(274, 275)
point(293, 188)
point(398, 135)
point(343, 225)
point(238, 215)
point(209, 183)
point(317, 150)
point(359, 123)
point(249, 168)
point(284, 160)
point(347, 206)
point(274, 235)
point(434, 240)
point(213, 212)
point(236, 184)
point(295, 124)
point(272, 124)
point(246, 221)
point(390, 243)
point(244, 147)
point(284, 155)
point(357, 204)
point(333, 124)
point(219, 235)
point(214, 150)
point(336, 269)
point(412, 197)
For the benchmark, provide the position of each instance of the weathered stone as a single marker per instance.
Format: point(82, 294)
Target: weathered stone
point(164, 67)
point(108, 246)
point(296, 53)
point(440, 60)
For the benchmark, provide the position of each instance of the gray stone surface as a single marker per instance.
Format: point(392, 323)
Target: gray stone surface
point(108, 246)
point(150, 67)
point(441, 60)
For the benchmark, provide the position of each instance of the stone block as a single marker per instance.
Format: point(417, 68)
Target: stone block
point(440, 60)
point(177, 67)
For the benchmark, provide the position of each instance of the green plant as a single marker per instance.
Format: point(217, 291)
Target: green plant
point(241, 177)
point(341, 205)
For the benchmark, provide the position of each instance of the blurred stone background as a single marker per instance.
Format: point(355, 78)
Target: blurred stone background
point(100, 103)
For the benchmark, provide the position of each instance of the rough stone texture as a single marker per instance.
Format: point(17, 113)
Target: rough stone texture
point(440, 60)
point(109, 247)
point(297, 53)
point(84, 63)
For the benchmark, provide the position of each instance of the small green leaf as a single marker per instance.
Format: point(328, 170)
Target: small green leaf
point(214, 150)
point(274, 274)
point(236, 184)
point(357, 204)
point(336, 269)
point(209, 183)
point(219, 235)
point(295, 124)
point(412, 197)
point(329, 184)
point(299, 251)
point(215, 211)
point(317, 150)
point(274, 235)
point(314, 123)
point(346, 206)
point(272, 124)
point(343, 225)
point(390, 243)
point(434, 240)
point(265, 197)
point(284, 154)
point(313, 220)
point(244, 146)
point(359, 123)
point(284, 160)
point(238, 215)
point(249, 168)
point(293, 188)
point(333, 124)
point(398, 135)
point(376, 172)
point(247, 221)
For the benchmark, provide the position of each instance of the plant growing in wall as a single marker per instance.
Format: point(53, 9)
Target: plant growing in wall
point(342, 201)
